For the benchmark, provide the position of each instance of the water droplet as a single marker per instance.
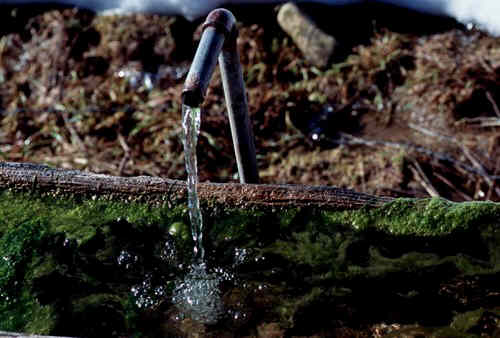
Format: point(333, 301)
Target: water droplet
point(169, 252)
point(240, 256)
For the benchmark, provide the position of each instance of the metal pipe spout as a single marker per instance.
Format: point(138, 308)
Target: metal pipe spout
point(218, 41)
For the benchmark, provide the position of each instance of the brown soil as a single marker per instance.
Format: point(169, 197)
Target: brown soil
point(398, 112)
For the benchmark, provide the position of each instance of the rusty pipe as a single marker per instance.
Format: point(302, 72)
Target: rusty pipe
point(219, 41)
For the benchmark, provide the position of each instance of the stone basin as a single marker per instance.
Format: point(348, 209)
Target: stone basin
point(87, 255)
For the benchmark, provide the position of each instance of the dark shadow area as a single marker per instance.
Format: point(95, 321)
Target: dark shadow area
point(355, 24)
point(15, 18)
point(482, 103)
point(352, 25)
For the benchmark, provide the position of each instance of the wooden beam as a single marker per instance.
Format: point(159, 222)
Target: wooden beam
point(41, 178)
point(4, 334)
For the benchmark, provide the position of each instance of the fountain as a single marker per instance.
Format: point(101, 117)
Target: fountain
point(89, 255)
point(198, 295)
point(219, 39)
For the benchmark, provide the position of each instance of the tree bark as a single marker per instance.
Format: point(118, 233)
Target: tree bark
point(41, 178)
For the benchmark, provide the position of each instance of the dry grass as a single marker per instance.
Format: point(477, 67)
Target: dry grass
point(405, 114)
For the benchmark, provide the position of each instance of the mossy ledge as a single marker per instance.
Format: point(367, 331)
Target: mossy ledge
point(86, 266)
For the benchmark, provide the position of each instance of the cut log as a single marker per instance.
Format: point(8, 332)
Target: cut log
point(26, 176)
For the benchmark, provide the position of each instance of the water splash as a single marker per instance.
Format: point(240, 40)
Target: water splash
point(198, 295)
point(148, 293)
point(191, 118)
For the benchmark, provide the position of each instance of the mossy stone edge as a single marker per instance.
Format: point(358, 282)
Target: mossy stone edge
point(47, 239)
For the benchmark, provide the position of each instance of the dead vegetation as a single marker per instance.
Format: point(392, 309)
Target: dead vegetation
point(405, 114)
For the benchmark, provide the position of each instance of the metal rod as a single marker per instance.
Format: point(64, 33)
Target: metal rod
point(219, 40)
point(237, 109)
point(203, 66)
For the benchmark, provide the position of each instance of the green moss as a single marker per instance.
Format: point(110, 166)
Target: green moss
point(287, 216)
point(381, 266)
point(96, 301)
point(72, 244)
point(465, 321)
point(41, 319)
point(22, 310)
point(290, 307)
point(46, 240)
point(78, 219)
point(67, 262)
point(304, 249)
point(237, 226)
point(42, 267)
point(99, 314)
point(419, 331)
point(24, 313)
point(17, 246)
point(420, 217)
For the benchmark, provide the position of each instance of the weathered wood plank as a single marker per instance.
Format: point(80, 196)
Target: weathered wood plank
point(4, 334)
point(26, 176)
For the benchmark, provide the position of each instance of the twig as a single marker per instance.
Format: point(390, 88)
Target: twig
point(353, 140)
point(123, 143)
point(362, 173)
point(478, 167)
point(480, 122)
point(493, 103)
point(74, 135)
point(464, 196)
point(126, 156)
point(423, 180)
point(432, 133)
point(493, 187)
point(475, 162)
point(481, 170)
point(123, 162)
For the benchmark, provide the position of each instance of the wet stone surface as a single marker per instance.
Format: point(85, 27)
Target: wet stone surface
point(105, 268)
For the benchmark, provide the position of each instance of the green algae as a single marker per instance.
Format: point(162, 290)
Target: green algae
point(430, 332)
point(93, 252)
point(17, 245)
point(465, 321)
point(44, 239)
point(78, 219)
point(420, 217)
point(238, 225)
point(430, 218)
point(400, 246)
point(314, 251)
point(118, 260)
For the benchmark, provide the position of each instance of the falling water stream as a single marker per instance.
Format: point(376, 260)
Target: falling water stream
point(198, 295)
point(191, 119)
